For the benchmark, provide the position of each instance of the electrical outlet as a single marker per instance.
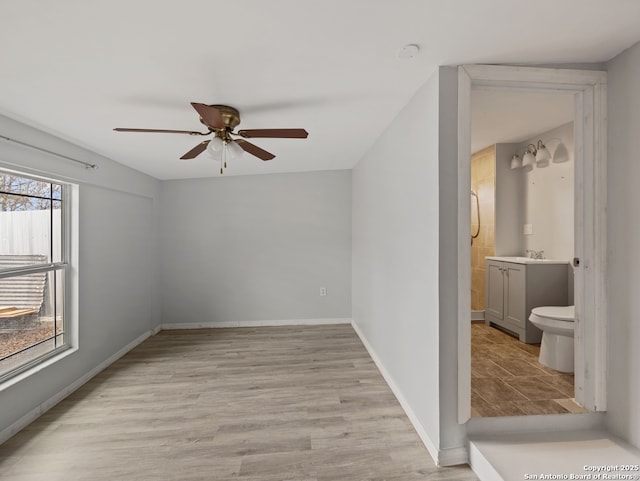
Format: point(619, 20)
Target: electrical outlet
point(323, 291)
point(528, 229)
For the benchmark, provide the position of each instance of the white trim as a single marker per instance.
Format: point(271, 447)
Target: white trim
point(464, 249)
point(39, 410)
point(448, 457)
point(589, 88)
point(600, 324)
point(531, 424)
point(36, 368)
point(477, 315)
point(532, 78)
point(263, 323)
point(582, 108)
point(481, 465)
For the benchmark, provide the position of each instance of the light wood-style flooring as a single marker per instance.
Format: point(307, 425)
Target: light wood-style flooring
point(508, 380)
point(246, 404)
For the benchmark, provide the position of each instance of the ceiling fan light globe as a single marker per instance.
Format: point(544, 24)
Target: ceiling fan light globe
point(234, 151)
point(215, 147)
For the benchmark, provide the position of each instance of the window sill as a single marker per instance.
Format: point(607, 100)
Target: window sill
point(55, 357)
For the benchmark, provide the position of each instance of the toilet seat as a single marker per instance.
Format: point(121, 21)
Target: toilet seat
point(558, 313)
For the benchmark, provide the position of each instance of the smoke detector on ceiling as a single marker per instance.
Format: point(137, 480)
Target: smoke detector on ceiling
point(409, 51)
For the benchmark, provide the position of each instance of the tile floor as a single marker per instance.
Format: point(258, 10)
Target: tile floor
point(508, 380)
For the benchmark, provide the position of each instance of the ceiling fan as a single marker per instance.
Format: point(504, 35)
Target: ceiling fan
point(220, 120)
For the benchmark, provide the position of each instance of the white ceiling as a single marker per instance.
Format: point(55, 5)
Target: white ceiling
point(78, 68)
point(500, 116)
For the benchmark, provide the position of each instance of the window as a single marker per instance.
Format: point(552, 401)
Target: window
point(33, 268)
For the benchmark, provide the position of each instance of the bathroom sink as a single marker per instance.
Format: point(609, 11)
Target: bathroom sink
point(534, 261)
point(526, 260)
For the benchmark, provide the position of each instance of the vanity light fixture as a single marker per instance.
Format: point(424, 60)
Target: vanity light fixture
point(543, 154)
point(516, 163)
point(532, 155)
point(529, 157)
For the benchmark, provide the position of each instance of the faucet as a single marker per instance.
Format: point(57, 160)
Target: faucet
point(535, 254)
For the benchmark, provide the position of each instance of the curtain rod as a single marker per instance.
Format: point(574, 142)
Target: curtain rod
point(87, 165)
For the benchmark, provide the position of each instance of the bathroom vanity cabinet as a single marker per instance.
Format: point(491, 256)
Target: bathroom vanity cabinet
point(515, 285)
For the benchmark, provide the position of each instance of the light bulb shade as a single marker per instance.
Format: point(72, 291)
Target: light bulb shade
point(528, 159)
point(543, 154)
point(215, 147)
point(234, 151)
point(516, 163)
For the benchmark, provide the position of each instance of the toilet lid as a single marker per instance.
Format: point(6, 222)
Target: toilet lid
point(561, 313)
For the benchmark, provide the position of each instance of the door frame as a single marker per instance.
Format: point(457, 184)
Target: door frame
point(590, 158)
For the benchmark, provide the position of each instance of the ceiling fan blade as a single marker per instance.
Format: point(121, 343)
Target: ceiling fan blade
point(158, 131)
point(275, 133)
point(197, 150)
point(210, 115)
point(254, 150)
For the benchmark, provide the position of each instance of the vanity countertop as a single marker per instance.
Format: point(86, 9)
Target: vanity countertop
point(526, 260)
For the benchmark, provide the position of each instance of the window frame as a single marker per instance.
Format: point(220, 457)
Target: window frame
point(53, 268)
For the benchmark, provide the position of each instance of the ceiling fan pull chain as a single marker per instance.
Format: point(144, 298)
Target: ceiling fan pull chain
point(223, 157)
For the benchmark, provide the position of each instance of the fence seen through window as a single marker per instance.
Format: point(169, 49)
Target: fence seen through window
point(32, 271)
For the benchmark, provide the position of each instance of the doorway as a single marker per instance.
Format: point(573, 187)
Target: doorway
point(587, 91)
point(522, 230)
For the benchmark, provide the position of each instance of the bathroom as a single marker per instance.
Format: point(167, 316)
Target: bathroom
point(522, 249)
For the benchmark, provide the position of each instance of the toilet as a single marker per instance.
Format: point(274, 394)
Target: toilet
point(556, 324)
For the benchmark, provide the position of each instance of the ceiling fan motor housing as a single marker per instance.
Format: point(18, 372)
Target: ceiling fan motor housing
point(230, 116)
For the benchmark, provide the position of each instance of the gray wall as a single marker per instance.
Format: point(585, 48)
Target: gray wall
point(509, 202)
point(256, 248)
point(623, 186)
point(118, 287)
point(395, 253)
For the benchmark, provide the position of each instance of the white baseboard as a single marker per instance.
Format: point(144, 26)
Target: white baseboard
point(39, 410)
point(477, 315)
point(481, 465)
point(447, 457)
point(265, 323)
